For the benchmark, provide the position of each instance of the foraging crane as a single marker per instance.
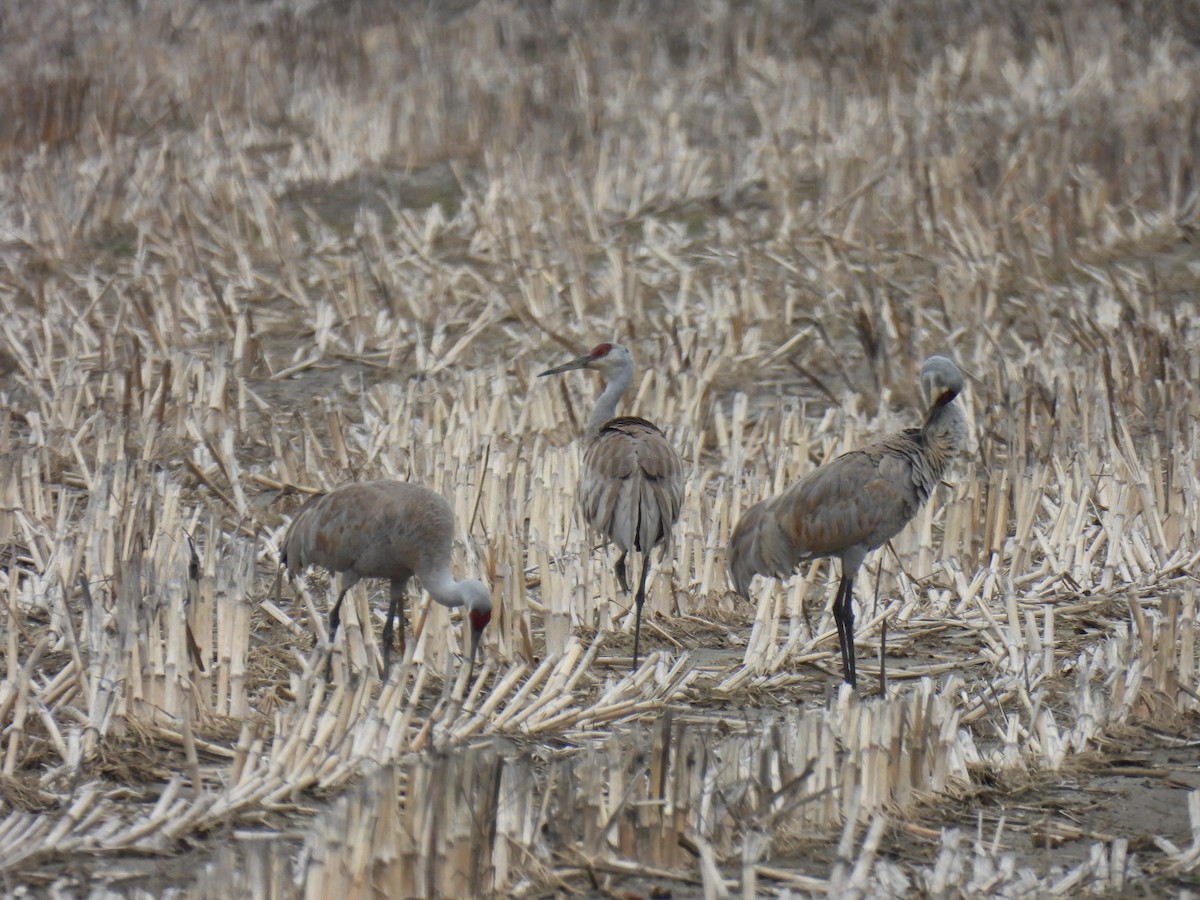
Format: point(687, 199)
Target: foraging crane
point(632, 483)
point(854, 503)
point(385, 529)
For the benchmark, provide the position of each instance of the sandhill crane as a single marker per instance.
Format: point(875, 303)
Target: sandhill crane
point(385, 529)
point(632, 482)
point(854, 503)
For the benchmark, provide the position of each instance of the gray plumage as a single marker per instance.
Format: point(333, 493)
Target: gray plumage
point(631, 487)
point(855, 503)
point(385, 529)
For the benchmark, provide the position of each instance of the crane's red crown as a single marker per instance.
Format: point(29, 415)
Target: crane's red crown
point(479, 619)
point(601, 350)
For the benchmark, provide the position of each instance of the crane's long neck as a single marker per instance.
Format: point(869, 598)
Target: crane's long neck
point(442, 587)
point(618, 382)
point(944, 433)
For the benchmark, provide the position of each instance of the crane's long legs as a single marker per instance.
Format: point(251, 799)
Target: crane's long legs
point(843, 615)
point(395, 611)
point(335, 619)
point(639, 600)
point(621, 579)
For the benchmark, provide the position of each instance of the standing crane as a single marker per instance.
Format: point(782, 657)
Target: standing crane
point(385, 529)
point(632, 483)
point(854, 503)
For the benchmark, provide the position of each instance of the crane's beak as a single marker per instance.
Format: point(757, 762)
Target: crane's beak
point(474, 650)
point(478, 622)
point(581, 363)
point(940, 393)
point(941, 381)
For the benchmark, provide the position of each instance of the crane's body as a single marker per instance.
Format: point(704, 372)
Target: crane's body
point(631, 487)
point(385, 529)
point(853, 504)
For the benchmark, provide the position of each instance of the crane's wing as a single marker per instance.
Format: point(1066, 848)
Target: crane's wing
point(854, 500)
point(632, 484)
point(848, 506)
point(376, 526)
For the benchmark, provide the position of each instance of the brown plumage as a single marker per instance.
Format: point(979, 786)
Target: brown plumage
point(631, 487)
point(385, 529)
point(854, 503)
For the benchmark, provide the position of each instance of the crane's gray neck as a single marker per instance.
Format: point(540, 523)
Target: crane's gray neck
point(442, 587)
point(944, 433)
point(619, 379)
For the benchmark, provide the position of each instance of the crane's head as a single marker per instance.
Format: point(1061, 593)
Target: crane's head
point(477, 604)
point(607, 358)
point(941, 381)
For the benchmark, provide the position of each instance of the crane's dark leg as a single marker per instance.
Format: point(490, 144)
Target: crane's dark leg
point(848, 615)
point(335, 615)
point(837, 618)
point(395, 611)
point(621, 579)
point(843, 615)
point(335, 619)
point(403, 616)
point(639, 601)
point(883, 658)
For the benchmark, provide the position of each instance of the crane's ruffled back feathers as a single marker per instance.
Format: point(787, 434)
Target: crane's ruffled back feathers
point(862, 498)
point(856, 502)
point(376, 529)
point(301, 537)
point(757, 548)
point(631, 489)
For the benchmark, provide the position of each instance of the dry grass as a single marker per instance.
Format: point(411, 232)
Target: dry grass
point(250, 252)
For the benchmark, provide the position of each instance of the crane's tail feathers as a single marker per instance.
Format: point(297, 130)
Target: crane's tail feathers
point(757, 547)
point(663, 511)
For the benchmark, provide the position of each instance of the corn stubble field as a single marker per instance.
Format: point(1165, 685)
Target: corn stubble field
point(248, 252)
